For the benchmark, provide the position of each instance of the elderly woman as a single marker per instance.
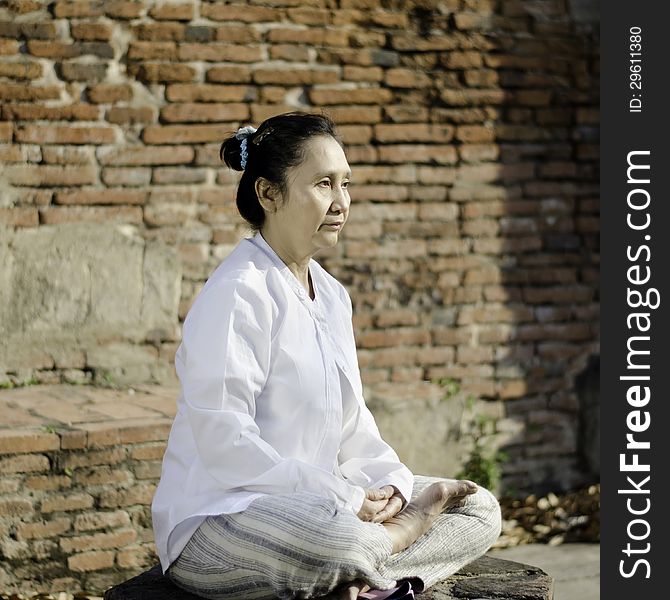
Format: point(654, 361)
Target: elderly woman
point(276, 481)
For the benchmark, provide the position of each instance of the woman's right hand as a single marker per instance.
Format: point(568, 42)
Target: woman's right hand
point(375, 501)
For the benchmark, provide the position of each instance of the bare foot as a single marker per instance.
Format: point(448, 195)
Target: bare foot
point(409, 525)
point(348, 591)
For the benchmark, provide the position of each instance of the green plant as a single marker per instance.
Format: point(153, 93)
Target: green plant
point(483, 466)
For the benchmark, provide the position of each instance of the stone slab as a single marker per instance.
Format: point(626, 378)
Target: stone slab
point(486, 578)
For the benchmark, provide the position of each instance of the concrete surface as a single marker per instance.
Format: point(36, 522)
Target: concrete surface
point(574, 567)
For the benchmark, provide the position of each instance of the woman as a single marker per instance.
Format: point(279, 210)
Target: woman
point(275, 480)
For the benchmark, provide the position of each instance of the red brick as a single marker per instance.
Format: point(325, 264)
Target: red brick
point(17, 91)
point(392, 337)
point(91, 561)
point(64, 134)
point(473, 97)
point(21, 70)
point(240, 12)
point(292, 77)
point(43, 529)
point(101, 520)
point(415, 132)
point(135, 557)
point(47, 482)
point(203, 112)
point(103, 475)
point(100, 196)
point(159, 31)
point(399, 77)
point(9, 47)
point(98, 541)
point(152, 51)
point(49, 175)
point(126, 176)
point(230, 74)
point(75, 501)
point(80, 8)
point(19, 216)
point(94, 457)
point(201, 92)
point(91, 31)
point(418, 153)
point(108, 93)
point(220, 52)
point(24, 463)
point(182, 134)
point(15, 507)
point(141, 494)
point(16, 442)
point(119, 9)
point(85, 214)
point(172, 12)
point(163, 73)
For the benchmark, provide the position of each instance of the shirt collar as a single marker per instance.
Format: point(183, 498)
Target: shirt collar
point(259, 241)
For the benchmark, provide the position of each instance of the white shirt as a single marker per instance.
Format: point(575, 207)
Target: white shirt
point(271, 399)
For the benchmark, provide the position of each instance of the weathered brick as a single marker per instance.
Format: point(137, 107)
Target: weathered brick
point(100, 196)
point(16, 91)
point(152, 50)
point(202, 92)
point(191, 112)
point(292, 77)
point(21, 70)
point(15, 507)
point(321, 96)
point(182, 134)
point(418, 153)
point(127, 115)
point(24, 463)
point(108, 93)
point(64, 503)
point(91, 561)
point(49, 175)
point(220, 52)
point(43, 529)
point(91, 31)
point(103, 475)
point(130, 176)
point(172, 12)
point(60, 50)
point(163, 73)
point(66, 134)
point(47, 483)
point(88, 214)
point(239, 12)
point(141, 493)
point(90, 458)
point(16, 442)
point(19, 216)
point(98, 541)
point(101, 520)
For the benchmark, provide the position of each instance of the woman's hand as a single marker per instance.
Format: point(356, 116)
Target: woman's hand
point(392, 507)
point(375, 501)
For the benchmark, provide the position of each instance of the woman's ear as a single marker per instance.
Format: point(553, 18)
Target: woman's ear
point(268, 195)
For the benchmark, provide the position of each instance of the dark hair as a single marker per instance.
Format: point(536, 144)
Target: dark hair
point(277, 145)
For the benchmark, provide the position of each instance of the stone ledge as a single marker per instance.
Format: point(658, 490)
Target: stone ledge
point(69, 417)
point(486, 578)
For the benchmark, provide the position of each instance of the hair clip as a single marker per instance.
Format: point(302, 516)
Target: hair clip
point(259, 137)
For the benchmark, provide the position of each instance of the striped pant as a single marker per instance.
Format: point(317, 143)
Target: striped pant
point(301, 545)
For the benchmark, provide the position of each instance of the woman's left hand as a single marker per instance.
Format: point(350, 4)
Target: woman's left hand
point(392, 507)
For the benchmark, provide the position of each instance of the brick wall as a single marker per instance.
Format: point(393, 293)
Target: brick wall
point(472, 129)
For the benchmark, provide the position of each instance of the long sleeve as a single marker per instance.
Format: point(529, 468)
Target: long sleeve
point(364, 457)
point(223, 365)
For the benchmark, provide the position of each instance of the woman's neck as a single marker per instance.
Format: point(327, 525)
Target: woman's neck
point(299, 266)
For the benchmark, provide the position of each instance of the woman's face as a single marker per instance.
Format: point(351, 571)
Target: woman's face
point(317, 196)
